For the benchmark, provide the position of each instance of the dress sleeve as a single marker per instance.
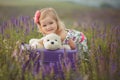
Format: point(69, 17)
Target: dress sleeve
point(68, 36)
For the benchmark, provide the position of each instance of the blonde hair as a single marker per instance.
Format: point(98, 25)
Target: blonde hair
point(51, 13)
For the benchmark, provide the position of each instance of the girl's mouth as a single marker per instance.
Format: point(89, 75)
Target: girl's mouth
point(50, 30)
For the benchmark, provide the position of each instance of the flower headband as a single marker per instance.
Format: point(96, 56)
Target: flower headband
point(37, 16)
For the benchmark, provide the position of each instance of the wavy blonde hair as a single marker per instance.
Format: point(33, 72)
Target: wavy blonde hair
point(51, 13)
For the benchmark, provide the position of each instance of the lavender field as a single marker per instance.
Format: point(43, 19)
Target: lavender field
point(100, 25)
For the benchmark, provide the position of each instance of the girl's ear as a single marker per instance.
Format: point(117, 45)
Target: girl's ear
point(39, 28)
point(41, 31)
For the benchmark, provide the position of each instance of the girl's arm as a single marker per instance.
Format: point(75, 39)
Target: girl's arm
point(72, 44)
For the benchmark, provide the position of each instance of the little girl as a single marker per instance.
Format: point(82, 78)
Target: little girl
point(48, 22)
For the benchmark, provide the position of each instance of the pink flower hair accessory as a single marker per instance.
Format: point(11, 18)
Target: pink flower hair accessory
point(37, 16)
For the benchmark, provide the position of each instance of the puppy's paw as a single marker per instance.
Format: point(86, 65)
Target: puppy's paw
point(66, 47)
point(34, 45)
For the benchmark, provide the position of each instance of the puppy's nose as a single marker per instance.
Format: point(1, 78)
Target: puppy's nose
point(52, 42)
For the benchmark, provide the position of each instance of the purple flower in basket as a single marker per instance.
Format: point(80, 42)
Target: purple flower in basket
point(50, 59)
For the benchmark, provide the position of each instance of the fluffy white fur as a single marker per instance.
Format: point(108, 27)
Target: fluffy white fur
point(35, 43)
point(51, 42)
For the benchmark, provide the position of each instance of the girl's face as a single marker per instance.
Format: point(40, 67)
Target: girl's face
point(48, 25)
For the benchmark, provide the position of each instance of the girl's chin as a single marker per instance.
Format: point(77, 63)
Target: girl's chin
point(50, 32)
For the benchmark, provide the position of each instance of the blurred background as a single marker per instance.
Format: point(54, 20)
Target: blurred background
point(72, 12)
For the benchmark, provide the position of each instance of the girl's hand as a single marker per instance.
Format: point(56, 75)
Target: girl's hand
point(72, 44)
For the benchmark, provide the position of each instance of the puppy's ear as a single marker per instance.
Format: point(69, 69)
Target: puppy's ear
point(41, 41)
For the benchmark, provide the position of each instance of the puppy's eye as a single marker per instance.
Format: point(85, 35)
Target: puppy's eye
point(55, 39)
point(47, 39)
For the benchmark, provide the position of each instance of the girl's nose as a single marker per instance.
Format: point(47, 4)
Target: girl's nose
point(48, 27)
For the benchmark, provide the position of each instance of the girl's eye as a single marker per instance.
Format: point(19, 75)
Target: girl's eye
point(51, 22)
point(47, 39)
point(44, 25)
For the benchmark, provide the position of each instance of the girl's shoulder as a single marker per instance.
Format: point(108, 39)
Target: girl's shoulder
point(72, 31)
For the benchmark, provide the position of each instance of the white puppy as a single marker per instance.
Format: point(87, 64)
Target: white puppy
point(51, 42)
